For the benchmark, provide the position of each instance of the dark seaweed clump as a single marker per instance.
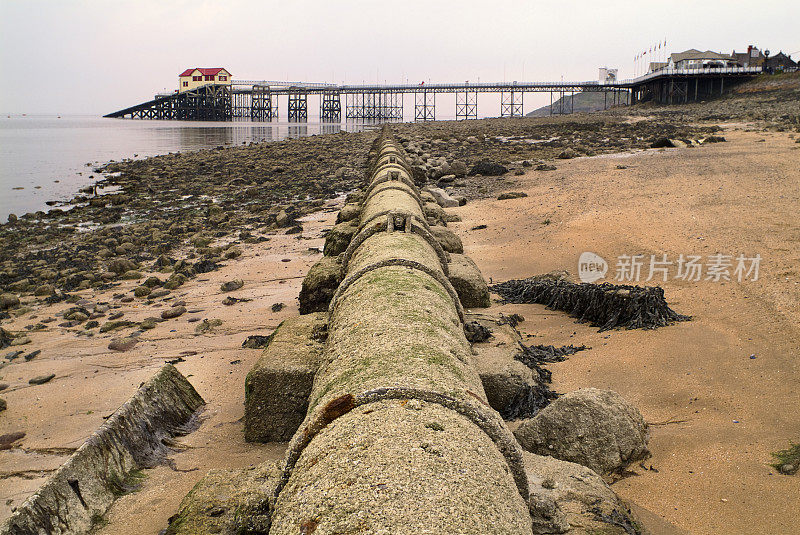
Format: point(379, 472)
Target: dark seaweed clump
point(607, 306)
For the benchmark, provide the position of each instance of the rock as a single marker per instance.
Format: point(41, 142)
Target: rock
point(545, 167)
point(5, 338)
point(20, 285)
point(175, 280)
point(41, 379)
point(12, 218)
point(448, 239)
point(163, 262)
point(567, 154)
point(458, 168)
point(296, 229)
point(661, 143)
point(228, 501)
point(471, 139)
point(511, 195)
point(283, 219)
point(231, 286)
point(235, 252)
point(152, 282)
point(122, 344)
point(488, 168)
point(257, 341)
point(173, 312)
point(150, 323)
point(512, 389)
point(134, 437)
point(114, 325)
point(3, 405)
point(20, 341)
point(44, 290)
point(207, 325)
point(788, 469)
point(319, 285)
point(476, 332)
point(468, 282)
point(278, 386)
point(434, 213)
point(569, 498)
point(277, 307)
point(348, 212)
point(205, 266)
point(142, 291)
point(443, 199)
point(155, 294)
point(121, 265)
point(33, 354)
point(595, 428)
point(338, 238)
point(8, 301)
point(132, 274)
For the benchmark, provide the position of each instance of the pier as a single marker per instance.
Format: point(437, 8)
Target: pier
point(261, 100)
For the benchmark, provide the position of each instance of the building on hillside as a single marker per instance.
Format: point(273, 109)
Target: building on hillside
point(752, 58)
point(608, 75)
point(695, 59)
point(191, 78)
point(780, 63)
point(656, 66)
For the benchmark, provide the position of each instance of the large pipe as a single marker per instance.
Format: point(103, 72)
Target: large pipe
point(399, 437)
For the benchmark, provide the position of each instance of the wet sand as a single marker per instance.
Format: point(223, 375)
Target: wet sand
point(57, 421)
point(716, 413)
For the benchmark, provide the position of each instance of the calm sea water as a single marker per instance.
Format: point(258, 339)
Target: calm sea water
point(44, 158)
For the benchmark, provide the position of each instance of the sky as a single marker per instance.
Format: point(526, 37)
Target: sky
point(97, 56)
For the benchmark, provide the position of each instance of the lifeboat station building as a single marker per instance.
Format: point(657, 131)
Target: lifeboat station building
point(196, 77)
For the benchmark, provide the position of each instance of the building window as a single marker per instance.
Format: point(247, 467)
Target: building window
point(197, 78)
point(185, 84)
point(209, 78)
point(223, 78)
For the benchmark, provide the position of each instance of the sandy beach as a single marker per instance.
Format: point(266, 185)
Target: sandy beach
point(716, 413)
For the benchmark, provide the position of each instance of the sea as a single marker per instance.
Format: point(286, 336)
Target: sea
point(49, 158)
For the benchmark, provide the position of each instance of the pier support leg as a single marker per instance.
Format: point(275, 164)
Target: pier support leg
point(298, 107)
point(331, 107)
point(511, 103)
point(261, 104)
point(466, 105)
point(424, 106)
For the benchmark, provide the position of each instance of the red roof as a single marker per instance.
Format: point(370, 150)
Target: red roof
point(207, 71)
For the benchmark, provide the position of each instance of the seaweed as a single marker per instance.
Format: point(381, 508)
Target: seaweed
point(607, 306)
point(475, 332)
point(534, 398)
point(787, 461)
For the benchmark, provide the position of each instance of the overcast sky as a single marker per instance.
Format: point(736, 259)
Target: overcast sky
point(96, 56)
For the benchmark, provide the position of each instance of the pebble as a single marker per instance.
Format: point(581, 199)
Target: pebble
point(41, 379)
point(122, 344)
point(173, 312)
